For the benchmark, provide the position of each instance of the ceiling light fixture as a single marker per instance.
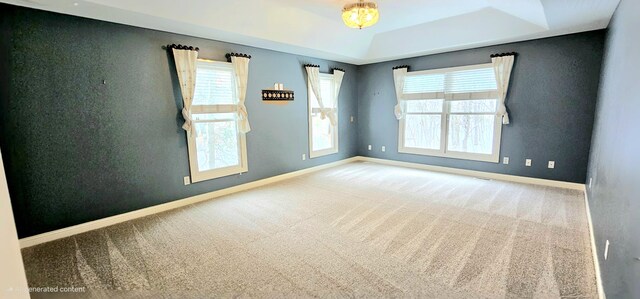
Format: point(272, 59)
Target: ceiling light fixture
point(360, 14)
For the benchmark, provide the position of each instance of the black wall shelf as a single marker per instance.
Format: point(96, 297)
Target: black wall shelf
point(277, 95)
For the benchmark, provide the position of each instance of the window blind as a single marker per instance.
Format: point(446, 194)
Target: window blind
point(326, 90)
point(424, 83)
point(483, 79)
point(452, 84)
point(214, 85)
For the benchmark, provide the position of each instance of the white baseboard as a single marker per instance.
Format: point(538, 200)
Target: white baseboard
point(104, 222)
point(478, 174)
point(594, 249)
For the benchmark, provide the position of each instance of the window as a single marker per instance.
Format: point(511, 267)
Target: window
point(323, 137)
point(216, 148)
point(451, 113)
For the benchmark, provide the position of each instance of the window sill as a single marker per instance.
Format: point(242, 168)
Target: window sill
point(321, 153)
point(217, 173)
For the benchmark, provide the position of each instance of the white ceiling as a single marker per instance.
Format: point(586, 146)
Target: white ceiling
point(313, 27)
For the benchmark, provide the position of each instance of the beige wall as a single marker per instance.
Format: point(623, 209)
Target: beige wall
point(13, 283)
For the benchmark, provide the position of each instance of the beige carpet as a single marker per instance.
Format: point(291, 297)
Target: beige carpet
point(357, 230)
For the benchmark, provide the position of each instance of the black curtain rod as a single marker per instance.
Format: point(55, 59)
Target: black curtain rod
point(504, 54)
point(229, 55)
point(401, 67)
point(182, 47)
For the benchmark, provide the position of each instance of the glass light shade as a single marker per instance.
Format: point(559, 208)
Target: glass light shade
point(360, 15)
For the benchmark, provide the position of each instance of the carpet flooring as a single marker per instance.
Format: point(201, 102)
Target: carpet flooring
point(356, 230)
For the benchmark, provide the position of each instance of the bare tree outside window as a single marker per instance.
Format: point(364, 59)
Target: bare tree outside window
point(216, 147)
point(451, 113)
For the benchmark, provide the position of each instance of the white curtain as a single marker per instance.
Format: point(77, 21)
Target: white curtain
point(337, 82)
point(186, 69)
point(502, 67)
point(241, 67)
point(313, 75)
point(399, 75)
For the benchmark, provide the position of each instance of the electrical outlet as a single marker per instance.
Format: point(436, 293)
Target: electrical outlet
point(304, 157)
point(552, 164)
point(527, 162)
point(505, 160)
point(186, 180)
point(384, 148)
point(352, 118)
point(369, 147)
point(606, 250)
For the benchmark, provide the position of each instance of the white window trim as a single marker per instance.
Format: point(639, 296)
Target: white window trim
point(335, 148)
point(443, 152)
point(199, 176)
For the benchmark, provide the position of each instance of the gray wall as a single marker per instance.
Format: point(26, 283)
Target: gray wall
point(77, 150)
point(551, 102)
point(615, 157)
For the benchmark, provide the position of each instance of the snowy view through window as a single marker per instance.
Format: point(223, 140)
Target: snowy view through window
point(321, 129)
point(464, 123)
point(216, 141)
